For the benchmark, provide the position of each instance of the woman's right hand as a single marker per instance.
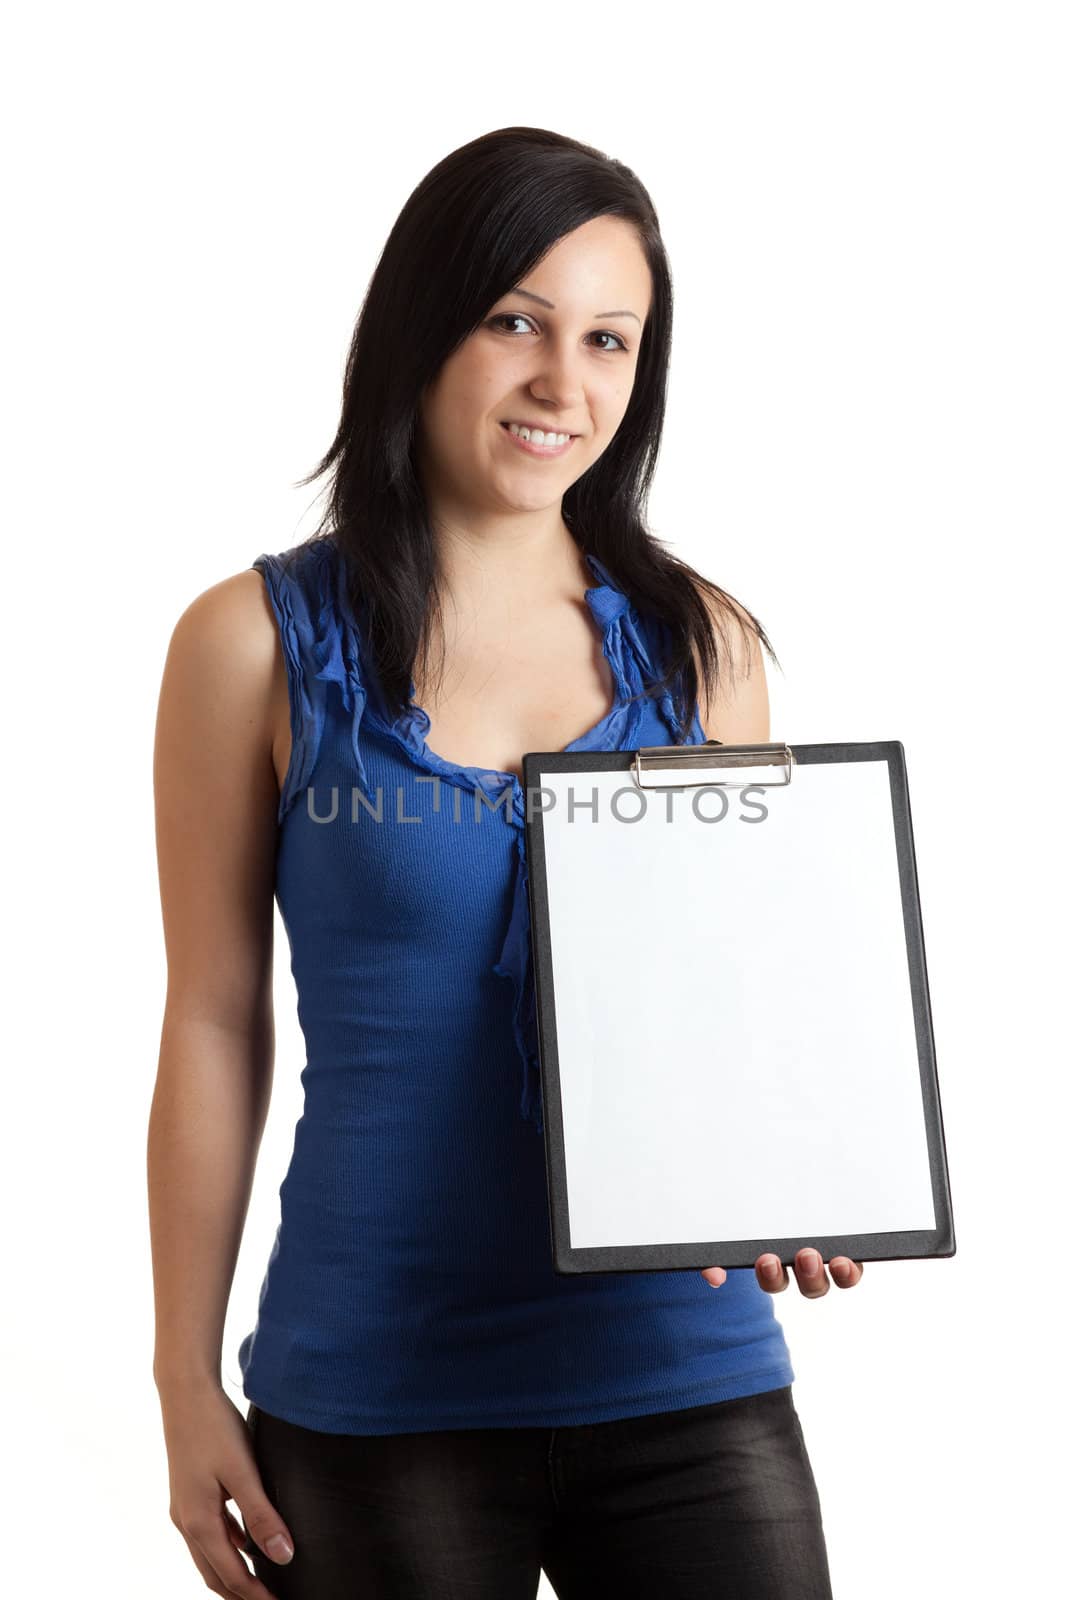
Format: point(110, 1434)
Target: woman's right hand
point(211, 1460)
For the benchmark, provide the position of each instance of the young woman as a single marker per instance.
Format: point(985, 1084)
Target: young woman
point(434, 1410)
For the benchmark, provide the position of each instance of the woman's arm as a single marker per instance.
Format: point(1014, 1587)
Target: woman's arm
point(223, 711)
point(216, 800)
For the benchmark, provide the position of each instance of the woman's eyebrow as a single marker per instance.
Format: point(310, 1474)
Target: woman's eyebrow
point(541, 301)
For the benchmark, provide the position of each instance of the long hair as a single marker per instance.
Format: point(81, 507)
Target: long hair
point(474, 227)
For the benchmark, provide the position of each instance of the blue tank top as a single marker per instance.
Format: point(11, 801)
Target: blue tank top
point(410, 1285)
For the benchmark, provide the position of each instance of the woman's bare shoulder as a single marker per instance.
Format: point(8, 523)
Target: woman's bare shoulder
point(738, 709)
point(224, 683)
point(229, 625)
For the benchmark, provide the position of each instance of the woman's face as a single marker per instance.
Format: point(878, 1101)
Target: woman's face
point(559, 352)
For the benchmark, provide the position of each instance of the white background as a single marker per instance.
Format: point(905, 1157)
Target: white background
point(864, 210)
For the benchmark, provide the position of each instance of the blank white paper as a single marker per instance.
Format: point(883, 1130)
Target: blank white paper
point(737, 1049)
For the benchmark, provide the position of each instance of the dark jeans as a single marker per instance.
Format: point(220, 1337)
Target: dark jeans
point(716, 1501)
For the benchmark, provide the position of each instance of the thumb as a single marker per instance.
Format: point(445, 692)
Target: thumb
point(266, 1527)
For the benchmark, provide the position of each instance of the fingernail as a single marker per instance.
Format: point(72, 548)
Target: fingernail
point(809, 1261)
point(279, 1549)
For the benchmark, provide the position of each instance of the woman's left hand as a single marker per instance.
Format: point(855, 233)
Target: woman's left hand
point(810, 1273)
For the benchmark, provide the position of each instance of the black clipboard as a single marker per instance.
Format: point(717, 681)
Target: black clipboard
point(733, 1011)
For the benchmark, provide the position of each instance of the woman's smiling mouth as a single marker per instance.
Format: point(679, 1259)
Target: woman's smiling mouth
point(538, 441)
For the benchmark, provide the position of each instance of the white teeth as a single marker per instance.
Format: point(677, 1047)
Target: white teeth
point(535, 436)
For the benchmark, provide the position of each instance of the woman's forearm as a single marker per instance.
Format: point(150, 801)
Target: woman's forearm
point(208, 1111)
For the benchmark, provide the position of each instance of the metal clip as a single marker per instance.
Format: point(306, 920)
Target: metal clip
point(714, 754)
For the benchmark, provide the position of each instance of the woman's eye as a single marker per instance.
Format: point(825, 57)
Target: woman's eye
point(517, 316)
point(508, 316)
point(603, 333)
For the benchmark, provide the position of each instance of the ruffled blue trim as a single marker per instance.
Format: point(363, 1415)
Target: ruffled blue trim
point(295, 631)
point(319, 649)
point(637, 640)
point(337, 649)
